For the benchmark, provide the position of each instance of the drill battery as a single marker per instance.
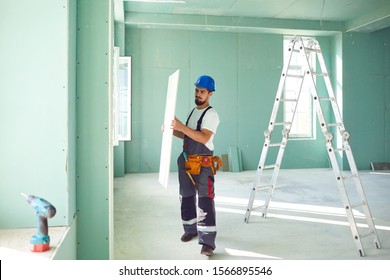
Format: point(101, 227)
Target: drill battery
point(40, 243)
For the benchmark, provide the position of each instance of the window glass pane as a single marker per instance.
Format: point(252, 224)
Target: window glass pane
point(124, 125)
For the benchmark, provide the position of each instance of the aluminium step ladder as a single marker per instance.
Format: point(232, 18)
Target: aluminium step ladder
point(297, 47)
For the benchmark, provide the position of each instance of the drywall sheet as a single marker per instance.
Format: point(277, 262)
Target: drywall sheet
point(380, 168)
point(166, 145)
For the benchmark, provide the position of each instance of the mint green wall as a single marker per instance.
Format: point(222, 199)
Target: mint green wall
point(37, 115)
point(67, 248)
point(94, 147)
point(72, 118)
point(246, 67)
point(366, 95)
point(39, 105)
point(387, 95)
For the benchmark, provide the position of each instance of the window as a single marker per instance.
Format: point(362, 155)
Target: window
point(124, 128)
point(303, 123)
point(121, 98)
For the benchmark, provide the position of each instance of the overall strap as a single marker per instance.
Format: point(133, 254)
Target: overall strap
point(201, 118)
point(192, 147)
point(188, 119)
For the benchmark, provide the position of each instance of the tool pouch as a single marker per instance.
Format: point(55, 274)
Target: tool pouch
point(194, 164)
point(216, 164)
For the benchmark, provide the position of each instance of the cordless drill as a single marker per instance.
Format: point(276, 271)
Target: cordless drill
point(40, 242)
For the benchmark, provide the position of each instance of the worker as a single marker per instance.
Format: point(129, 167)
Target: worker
point(196, 169)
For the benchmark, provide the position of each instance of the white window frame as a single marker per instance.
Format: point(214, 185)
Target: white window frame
point(124, 125)
point(121, 98)
point(304, 124)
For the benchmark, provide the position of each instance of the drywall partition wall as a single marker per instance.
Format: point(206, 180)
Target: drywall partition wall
point(365, 88)
point(94, 147)
point(386, 34)
point(246, 68)
point(71, 167)
point(36, 85)
point(66, 249)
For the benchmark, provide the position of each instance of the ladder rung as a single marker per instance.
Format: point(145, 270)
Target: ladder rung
point(275, 144)
point(270, 166)
point(327, 98)
point(295, 76)
point(339, 149)
point(282, 123)
point(320, 74)
point(262, 187)
point(288, 100)
point(313, 50)
point(334, 124)
point(257, 207)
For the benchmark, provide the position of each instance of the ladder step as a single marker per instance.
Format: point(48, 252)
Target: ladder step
point(275, 144)
point(313, 50)
point(339, 149)
point(295, 76)
point(320, 74)
point(260, 187)
point(288, 100)
point(258, 207)
point(334, 124)
point(271, 166)
point(327, 98)
point(282, 123)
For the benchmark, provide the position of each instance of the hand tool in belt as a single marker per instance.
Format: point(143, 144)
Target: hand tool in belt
point(188, 169)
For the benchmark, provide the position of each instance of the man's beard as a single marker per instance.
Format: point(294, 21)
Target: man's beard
point(199, 102)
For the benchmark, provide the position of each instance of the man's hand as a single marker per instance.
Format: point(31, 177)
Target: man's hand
point(177, 125)
point(179, 130)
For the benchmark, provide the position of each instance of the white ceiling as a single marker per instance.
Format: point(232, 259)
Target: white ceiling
point(356, 15)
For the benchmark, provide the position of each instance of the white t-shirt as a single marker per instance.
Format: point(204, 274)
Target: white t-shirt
point(210, 122)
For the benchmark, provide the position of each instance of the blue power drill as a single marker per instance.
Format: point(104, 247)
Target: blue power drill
point(40, 242)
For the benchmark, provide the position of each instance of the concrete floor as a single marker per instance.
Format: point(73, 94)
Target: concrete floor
point(306, 219)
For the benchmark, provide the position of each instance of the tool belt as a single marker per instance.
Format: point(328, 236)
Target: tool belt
point(194, 163)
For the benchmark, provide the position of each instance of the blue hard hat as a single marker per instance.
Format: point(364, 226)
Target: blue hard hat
point(205, 82)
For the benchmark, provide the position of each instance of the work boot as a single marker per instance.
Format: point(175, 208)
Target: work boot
point(188, 236)
point(207, 250)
